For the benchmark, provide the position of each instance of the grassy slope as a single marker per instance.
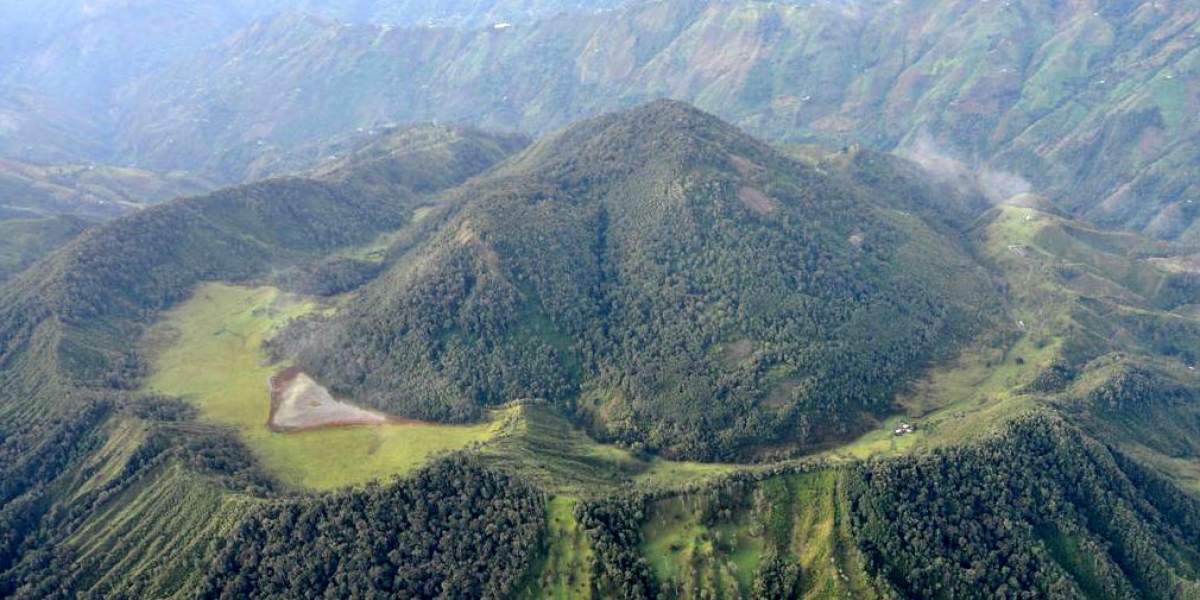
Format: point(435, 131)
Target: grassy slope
point(564, 571)
point(960, 400)
point(803, 513)
point(90, 190)
point(1050, 323)
point(686, 553)
point(210, 355)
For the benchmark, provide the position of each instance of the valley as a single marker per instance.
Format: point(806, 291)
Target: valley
point(210, 354)
point(644, 355)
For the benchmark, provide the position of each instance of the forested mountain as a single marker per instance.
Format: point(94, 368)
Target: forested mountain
point(1091, 102)
point(69, 321)
point(694, 289)
point(926, 393)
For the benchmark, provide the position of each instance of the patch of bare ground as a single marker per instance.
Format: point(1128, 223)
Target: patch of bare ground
point(756, 201)
point(467, 236)
point(298, 403)
point(1178, 264)
point(736, 352)
point(745, 167)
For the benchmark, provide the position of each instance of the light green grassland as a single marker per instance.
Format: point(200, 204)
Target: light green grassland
point(674, 475)
point(962, 400)
point(830, 566)
point(208, 352)
point(685, 553)
point(563, 572)
point(801, 515)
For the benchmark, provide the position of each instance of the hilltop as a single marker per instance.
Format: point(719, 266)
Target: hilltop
point(666, 278)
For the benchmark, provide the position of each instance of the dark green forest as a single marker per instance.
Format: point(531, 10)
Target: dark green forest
point(452, 531)
point(1038, 511)
point(670, 281)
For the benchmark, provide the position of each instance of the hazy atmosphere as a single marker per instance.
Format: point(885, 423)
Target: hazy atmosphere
point(713, 299)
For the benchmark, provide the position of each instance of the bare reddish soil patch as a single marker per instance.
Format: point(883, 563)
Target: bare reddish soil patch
point(298, 403)
point(756, 201)
point(745, 167)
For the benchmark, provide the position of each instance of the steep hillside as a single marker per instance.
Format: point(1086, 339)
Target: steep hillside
point(24, 241)
point(35, 127)
point(1109, 331)
point(1037, 509)
point(1090, 101)
point(1061, 516)
point(72, 321)
point(673, 281)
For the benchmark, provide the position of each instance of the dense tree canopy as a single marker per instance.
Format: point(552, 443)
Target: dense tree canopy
point(677, 283)
point(453, 531)
point(1038, 511)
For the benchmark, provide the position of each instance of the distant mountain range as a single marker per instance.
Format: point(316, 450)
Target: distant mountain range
point(83, 50)
point(1092, 104)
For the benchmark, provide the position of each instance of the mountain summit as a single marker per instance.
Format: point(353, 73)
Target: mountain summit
point(665, 277)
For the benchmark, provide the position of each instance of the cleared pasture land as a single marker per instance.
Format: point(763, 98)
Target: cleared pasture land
point(208, 351)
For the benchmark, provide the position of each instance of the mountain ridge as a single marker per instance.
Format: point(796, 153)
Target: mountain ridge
point(1049, 94)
